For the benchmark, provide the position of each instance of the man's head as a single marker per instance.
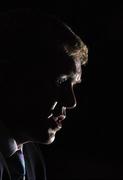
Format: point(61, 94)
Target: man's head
point(42, 68)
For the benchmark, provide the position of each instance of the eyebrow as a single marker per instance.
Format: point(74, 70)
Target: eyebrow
point(73, 77)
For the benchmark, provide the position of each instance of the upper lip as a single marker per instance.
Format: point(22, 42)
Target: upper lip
point(57, 118)
point(60, 117)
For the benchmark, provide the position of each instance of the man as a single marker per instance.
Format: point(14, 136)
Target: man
point(40, 63)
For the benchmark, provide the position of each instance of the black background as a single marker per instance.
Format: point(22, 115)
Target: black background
point(89, 146)
point(90, 143)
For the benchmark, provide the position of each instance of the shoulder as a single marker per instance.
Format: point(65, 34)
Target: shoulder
point(32, 150)
point(4, 172)
point(1, 165)
point(35, 165)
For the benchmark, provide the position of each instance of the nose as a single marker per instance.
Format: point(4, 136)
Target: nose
point(70, 102)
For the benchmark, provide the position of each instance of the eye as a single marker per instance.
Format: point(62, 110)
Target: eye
point(61, 80)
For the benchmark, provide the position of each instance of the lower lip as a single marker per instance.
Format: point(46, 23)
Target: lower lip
point(55, 125)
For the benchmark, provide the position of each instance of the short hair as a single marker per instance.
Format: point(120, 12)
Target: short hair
point(26, 36)
point(30, 33)
point(76, 48)
point(61, 37)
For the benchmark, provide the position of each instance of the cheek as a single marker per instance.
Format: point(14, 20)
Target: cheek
point(34, 97)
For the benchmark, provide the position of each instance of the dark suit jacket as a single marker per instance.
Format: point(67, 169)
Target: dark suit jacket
point(35, 168)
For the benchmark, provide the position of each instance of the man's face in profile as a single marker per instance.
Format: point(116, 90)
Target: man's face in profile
point(58, 95)
point(68, 74)
point(46, 98)
point(42, 71)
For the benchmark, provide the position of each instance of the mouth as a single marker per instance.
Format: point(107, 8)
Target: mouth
point(56, 122)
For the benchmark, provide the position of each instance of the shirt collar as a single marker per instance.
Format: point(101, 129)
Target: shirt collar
point(8, 145)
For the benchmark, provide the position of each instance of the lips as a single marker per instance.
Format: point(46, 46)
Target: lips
point(56, 122)
point(59, 118)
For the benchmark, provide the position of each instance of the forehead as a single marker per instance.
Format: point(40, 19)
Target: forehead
point(68, 65)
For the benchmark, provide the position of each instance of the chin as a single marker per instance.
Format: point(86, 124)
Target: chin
point(51, 136)
point(50, 140)
point(46, 138)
